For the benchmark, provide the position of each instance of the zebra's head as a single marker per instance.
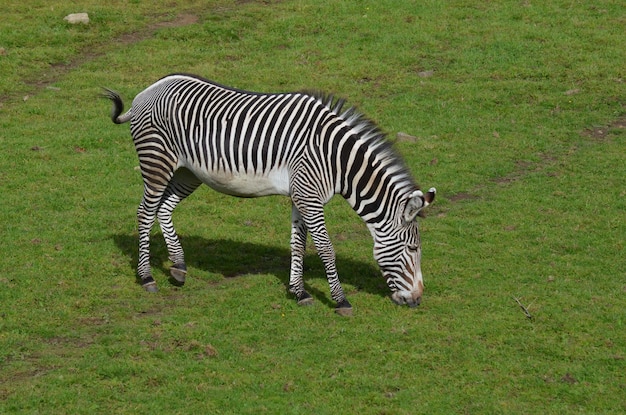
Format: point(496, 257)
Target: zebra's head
point(398, 251)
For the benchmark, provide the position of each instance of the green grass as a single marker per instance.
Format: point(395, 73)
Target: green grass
point(520, 127)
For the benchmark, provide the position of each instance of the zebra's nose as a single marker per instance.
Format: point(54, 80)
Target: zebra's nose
point(410, 298)
point(416, 299)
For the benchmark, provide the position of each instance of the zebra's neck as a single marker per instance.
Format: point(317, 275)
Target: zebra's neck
point(367, 171)
point(372, 179)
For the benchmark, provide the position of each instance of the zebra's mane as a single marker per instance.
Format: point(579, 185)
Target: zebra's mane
point(367, 129)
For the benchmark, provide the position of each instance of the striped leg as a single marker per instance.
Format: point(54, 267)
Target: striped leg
point(157, 173)
point(314, 220)
point(145, 218)
point(298, 247)
point(180, 186)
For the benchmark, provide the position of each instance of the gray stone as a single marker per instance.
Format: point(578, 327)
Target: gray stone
point(76, 18)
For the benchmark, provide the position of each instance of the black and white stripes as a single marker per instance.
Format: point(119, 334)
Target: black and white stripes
point(189, 131)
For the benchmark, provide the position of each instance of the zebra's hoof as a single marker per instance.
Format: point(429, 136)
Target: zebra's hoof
point(178, 273)
point(150, 287)
point(344, 308)
point(305, 299)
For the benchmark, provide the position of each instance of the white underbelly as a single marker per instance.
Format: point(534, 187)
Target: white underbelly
point(275, 182)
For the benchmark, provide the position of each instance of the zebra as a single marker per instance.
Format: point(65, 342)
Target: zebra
point(188, 130)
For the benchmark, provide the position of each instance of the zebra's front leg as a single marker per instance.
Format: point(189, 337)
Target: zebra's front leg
point(326, 252)
point(298, 247)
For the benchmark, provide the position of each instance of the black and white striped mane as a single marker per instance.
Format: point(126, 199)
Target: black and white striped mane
point(368, 130)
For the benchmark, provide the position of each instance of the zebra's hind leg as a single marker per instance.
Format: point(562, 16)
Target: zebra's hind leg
point(182, 184)
point(157, 172)
point(145, 219)
point(298, 246)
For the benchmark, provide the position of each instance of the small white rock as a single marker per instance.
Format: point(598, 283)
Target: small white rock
point(75, 18)
point(400, 136)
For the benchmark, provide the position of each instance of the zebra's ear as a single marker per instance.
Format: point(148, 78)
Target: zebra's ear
point(418, 201)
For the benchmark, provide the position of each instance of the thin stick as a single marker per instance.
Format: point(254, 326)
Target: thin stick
point(526, 312)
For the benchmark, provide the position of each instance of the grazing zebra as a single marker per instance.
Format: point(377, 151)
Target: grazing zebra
point(188, 131)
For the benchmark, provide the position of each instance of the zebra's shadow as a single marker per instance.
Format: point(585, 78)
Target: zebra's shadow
point(234, 259)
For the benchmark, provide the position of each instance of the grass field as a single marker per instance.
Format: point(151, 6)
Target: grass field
point(518, 109)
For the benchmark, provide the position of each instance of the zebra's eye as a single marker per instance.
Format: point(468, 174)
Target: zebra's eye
point(412, 248)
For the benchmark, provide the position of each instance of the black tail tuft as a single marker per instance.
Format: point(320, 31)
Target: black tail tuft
point(118, 105)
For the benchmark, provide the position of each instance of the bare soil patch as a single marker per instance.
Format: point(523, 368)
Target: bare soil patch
point(603, 133)
point(458, 197)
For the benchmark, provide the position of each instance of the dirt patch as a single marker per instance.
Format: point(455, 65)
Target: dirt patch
point(597, 133)
point(524, 167)
point(621, 123)
point(93, 321)
point(183, 19)
point(458, 197)
point(603, 133)
point(63, 345)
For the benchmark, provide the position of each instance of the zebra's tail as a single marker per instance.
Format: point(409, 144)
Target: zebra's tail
point(118, 107)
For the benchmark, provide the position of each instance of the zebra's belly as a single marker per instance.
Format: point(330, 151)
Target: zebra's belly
point(242, 184)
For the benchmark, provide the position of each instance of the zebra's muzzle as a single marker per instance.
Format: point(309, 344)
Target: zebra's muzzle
point(411, 298)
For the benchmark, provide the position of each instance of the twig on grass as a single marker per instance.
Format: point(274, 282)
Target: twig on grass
point(524, 309)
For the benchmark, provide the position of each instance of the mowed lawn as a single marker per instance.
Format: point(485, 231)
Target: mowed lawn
point(514, 110)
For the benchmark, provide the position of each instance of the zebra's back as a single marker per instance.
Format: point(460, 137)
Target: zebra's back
point(237, 142)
